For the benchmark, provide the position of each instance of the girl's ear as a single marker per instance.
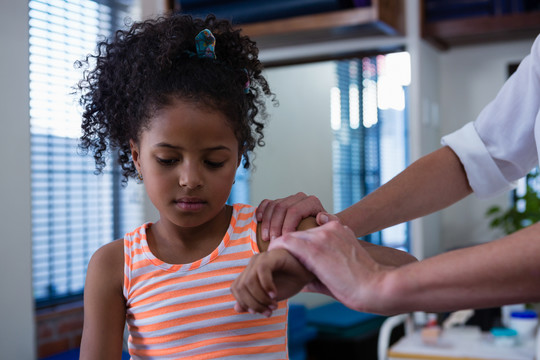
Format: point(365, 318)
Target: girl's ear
point(135, 154)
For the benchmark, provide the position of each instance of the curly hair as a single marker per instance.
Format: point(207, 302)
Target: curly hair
point(146, 68)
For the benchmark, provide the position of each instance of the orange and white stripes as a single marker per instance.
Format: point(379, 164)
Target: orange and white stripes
point(186, 311)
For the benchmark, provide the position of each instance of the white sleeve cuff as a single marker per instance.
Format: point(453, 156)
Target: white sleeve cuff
point(485, 177)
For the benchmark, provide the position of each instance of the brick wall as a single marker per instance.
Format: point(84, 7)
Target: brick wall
point(59, 328)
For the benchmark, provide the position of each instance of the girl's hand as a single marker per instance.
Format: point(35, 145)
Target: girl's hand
point(282, 216)
point(270, 277)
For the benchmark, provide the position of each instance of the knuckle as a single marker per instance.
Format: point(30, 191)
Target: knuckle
point(280, 207)
point(294, 211)
point(333, 226)
point(314, 199)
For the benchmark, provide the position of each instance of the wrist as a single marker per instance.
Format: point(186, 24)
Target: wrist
point(359, 219)
point(385, 293)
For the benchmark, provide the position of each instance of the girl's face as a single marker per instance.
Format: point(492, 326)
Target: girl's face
point(188, 157)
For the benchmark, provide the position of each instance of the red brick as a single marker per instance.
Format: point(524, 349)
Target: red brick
point(44, 332)
point(72, 325)
point(53, 347)
point(75, 341)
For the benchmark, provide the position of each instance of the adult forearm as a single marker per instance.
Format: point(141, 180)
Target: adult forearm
point(500, 272)
point(387, 256)
point(433, 182)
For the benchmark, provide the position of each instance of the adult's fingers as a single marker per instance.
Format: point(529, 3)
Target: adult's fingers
point(313, 245)
point(324, 217)
point(271, 214)
point(261, 209)
point(304, 207)
point(286, 212)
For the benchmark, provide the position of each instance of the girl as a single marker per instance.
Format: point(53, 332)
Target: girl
point(177, 99)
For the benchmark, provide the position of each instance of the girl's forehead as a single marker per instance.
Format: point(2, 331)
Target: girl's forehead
point(188, 122)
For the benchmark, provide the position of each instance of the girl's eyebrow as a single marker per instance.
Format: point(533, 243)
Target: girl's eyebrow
point(174, 147)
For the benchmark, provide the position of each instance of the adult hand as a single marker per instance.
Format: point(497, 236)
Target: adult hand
point(334, 255)
point(282, 216)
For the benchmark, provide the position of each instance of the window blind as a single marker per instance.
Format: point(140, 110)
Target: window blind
point(73, 211)
point(368, 118)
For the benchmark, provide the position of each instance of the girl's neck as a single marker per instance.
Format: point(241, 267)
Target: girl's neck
point(180, 245)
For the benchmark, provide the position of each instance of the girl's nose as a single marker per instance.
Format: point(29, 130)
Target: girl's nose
point(190, 175)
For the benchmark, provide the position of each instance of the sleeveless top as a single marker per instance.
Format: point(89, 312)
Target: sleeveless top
point(185, 311)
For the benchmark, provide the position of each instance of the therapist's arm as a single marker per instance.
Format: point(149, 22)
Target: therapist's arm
point(505, 271)
point(501, 272)
point(431, 183)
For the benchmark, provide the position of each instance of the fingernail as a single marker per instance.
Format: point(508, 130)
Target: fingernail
point(273, 307)
point(324, 218)
point(265, 234)
point(272, 295)
point(251, 311)
point(267, 313)
point(273, 237)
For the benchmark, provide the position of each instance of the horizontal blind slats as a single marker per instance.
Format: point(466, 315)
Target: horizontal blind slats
point(72, 209)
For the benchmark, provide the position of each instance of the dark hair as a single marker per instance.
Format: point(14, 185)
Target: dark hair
point(146, 68)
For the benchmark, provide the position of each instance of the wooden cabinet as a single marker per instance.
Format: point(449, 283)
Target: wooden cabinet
point(475, 30)
point(383, 17)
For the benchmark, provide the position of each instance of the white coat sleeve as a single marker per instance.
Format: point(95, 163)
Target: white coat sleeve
point(500, 146)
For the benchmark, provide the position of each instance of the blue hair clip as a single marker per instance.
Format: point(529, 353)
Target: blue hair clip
point(248, 83)
point(205, 43)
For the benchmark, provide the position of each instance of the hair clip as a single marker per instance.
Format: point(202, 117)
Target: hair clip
point(205, 43)
point(248, 82)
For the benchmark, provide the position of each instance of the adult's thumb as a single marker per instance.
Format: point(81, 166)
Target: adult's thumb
point(324, 217)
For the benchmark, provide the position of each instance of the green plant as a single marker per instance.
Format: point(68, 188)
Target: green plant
point(524, 211)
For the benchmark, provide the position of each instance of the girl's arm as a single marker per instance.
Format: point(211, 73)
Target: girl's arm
point(270, 276)
point(104, 305)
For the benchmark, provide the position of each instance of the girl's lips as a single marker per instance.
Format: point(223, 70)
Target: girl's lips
point(190, 204)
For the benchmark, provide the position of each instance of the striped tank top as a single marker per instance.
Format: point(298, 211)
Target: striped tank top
point(185, 311)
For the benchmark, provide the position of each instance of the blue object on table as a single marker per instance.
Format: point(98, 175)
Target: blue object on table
point(335, 319)
point(298, 332)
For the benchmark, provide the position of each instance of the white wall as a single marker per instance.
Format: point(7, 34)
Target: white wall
point(470, 77)
point(17, 339)
point(298, 151)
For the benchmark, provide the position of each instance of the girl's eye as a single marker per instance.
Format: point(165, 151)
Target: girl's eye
point(214, 164)
point(166, 161)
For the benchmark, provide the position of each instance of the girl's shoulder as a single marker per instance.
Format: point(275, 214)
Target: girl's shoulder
point(108, 262)
point(244, 212)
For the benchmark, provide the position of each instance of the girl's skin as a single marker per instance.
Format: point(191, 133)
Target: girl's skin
point(187, 155)
point(187, 158)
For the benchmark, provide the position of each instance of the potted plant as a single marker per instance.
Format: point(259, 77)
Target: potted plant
point(524, 210)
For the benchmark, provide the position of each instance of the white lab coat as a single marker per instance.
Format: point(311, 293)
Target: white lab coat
point(503, 143)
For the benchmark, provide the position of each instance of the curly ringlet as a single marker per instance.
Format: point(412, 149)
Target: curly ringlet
point(144, 69)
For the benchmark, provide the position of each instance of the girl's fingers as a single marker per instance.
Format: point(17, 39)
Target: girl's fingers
point(248, 290)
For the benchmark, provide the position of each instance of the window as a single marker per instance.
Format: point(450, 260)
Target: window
point(368, 118)
point(73, 211)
